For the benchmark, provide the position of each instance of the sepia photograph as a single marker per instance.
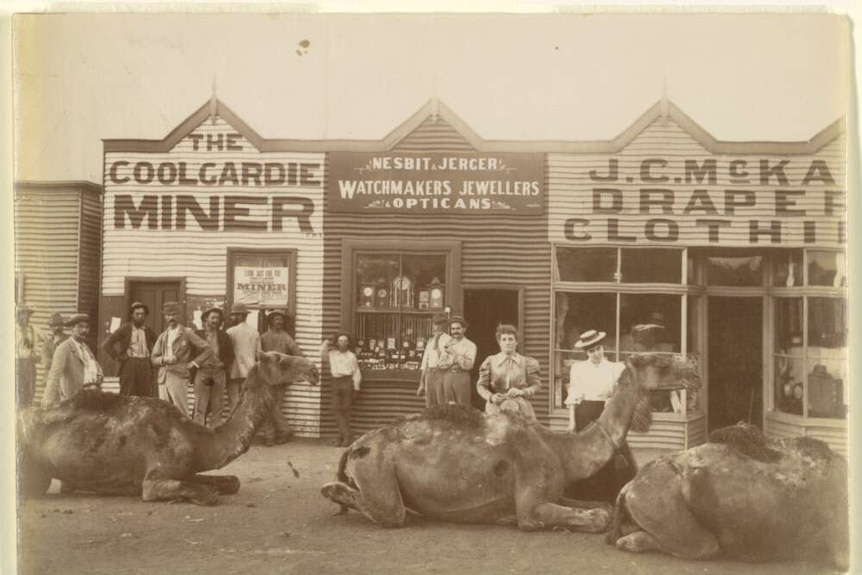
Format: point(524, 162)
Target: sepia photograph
point(313, 291)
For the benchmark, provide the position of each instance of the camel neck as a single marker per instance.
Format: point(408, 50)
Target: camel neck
point(234, 436)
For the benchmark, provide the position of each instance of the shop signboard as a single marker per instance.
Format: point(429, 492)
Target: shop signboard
point(261, 287)
point(436, 183)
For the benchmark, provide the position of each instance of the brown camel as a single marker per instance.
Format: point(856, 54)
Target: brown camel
point(457, 464)
point(141, 446)
point(742, 496)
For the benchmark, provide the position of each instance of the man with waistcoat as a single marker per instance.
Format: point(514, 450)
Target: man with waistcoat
point(275, 428)
point(431, 377)
point(131, 345)
point(177, 349)
point(456, 361)
point(210, 378)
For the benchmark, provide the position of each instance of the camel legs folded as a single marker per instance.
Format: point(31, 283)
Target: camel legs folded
point(545, 515)
point(223, 484)
point(384, 505)
point(174, 489)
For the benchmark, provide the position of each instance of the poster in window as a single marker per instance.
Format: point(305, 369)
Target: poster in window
point(261, 287)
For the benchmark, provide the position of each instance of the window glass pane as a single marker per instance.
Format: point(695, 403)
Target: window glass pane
point(374, 276)
point(827, 324)
point(734, 271)
point(788, 326)
point(787, 269)
point(827, 269)
point(693, 343)
point(827, 393)
point(575, 314)
point(651, 266)
point(586, 264)
point(788, 384)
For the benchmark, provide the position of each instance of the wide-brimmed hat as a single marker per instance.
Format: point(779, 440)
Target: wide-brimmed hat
point(76, 319)
point(171, 307)
point(207, 312)
point(589, 339)
point(56, 319)
point(26, 307)
point(136, 304)
point(458, 319)
point(239, 307)
point(276, 312)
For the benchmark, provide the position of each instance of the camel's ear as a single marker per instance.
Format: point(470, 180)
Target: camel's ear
point(286, 360)
point(264, 357)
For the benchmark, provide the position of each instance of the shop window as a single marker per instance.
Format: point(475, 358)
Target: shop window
point(787, 269)
point(396, 296)
point(587, 264)
point(826, 268)
point(263, 280)
point(650, 266)
point(816, 371)
point(738, 271)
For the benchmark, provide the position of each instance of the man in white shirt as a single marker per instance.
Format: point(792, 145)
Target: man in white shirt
point(246, 347)
point(346, 379)
point(431, 377)
point(456, 361)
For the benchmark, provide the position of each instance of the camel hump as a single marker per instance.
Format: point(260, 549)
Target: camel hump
point(748, 440)
point(457, 414)
point(95, 401)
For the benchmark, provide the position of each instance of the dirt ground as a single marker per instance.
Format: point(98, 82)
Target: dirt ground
point(279, 523)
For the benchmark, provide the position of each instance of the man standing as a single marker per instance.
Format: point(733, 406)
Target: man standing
point(132, 345)
point(275, 427)
point(51, 340)
point(246, 346)
point(431, 377)
point(172, 354)
point(346, 379)
point(26, 357)
point(210, 378)
point(74, 367)
point(459, 355)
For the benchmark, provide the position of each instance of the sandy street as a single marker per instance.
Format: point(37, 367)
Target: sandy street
point(278, 523)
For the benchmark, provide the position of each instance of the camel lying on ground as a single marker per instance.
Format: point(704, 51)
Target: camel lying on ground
point(141, 446)
point(454, 463)
point(742, 496)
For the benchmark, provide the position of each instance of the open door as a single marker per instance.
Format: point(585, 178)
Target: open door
point(154, 294)
point(484, 310)
point(735, 365)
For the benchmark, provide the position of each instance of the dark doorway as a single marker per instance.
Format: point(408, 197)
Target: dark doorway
point(154, 294)
point(485, 309)
point(735, 335)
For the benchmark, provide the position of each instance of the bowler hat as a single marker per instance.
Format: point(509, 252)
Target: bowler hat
point(239, 307)
point(589, 338)
point(56, 319)
point(459, 319)
point(136, 304)
point(171, 307)
point(77, 318)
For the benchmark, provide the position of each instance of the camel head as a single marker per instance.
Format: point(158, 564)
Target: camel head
point(648, 372)
point(282, 369)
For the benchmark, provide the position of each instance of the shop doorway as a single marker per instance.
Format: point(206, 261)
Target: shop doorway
point(735, 365)
point(154, 294)
point(485, 309)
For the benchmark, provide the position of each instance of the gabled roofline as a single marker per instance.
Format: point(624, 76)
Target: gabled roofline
point(436, 108)
point(80, 185)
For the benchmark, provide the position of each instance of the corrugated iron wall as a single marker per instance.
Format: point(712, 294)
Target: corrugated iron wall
point(57, 251)
point(507, 252)
point(200, 256)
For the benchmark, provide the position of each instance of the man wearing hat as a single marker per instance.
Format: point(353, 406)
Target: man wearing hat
point(177, 349)
point(246, 346)
point(26, 356)
point(131, 345)
point(210, 379)
point(53, 338)
point(74, 367)
point(275, 427)
point(431, 376)
point(456, 361)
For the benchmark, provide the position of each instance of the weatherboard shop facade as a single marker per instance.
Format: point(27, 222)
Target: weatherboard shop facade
point(211, 215)
point(730, 253)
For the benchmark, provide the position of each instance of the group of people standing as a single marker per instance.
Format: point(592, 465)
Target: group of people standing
point(211, 360)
